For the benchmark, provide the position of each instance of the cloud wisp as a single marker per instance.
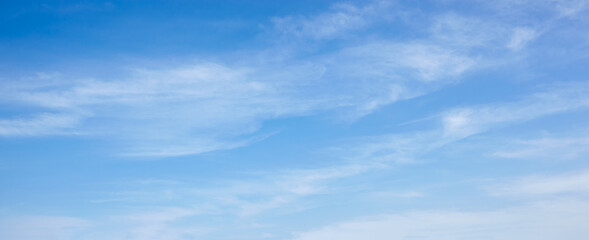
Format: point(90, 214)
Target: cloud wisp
point(571, 183)
point(203, 106)
point(542, 220)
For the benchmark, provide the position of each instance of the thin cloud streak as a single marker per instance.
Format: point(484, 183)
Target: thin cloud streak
point(541, 220)
point(191, 108)
point(569, 183)
point(210, 105)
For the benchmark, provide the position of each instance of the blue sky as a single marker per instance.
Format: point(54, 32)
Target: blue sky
point(294, 120)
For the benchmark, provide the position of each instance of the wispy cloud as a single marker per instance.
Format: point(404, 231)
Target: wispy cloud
point(191, 108)
point(569, 183)
point(155, 224)
point(265, 192)
point(41, 124)
point(543, 220)
point(556, 148)
point(277, 192)
point(521, 37)
point(389, 195)
point(285, 192)
point(556, 8)
point(41, 227)
point(466, 121)
point(340, 20)
point(456, 124)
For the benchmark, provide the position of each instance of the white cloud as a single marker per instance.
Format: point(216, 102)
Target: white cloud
point(282, 191)
point(462, 122)
point(569, 183)
point(557, 148)
point(313, 181)
point(170, 111)
point(253, 195)
point(521, 37)
point(388, 195)
point(538, 221)
point(154, 224)
point(41, 227)
point(42, 124)
point(569, 8)
point(203, 107)
point(157, 224)
point(555, 8)
point(337, 22)
point(190, 108)
point(372, 153)
point(404, 62)
point(463, 33)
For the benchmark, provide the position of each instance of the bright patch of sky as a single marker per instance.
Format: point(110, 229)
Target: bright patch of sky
point(294, 120)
